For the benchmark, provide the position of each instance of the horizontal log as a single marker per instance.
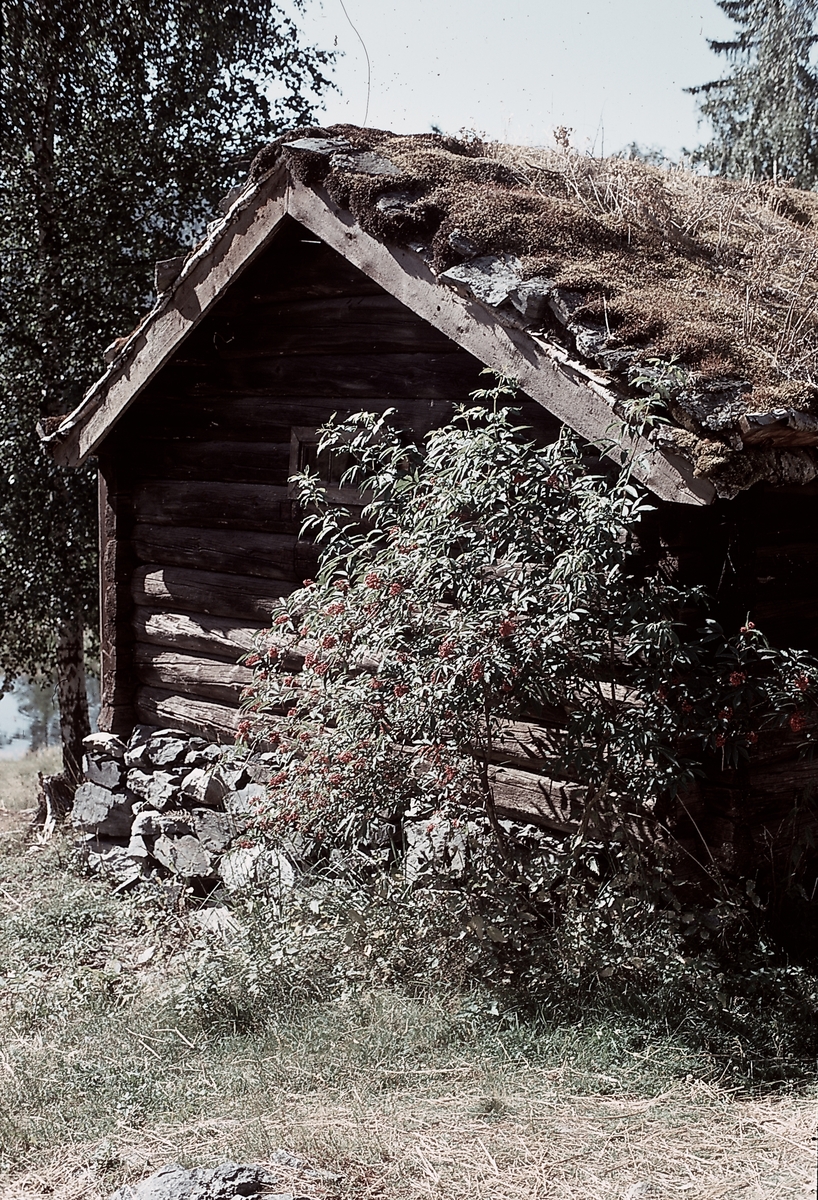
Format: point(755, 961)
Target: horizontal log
point(195, 633)
point(266, 462)
point(786, 553)
point(235, 596)
point(190, 674)
point(157, 706)
point(381, 309)
point(260, 338)
point(243, 506)
point(526, 796)
point(449, 376)
point(268, 555)
point(782, 427)
point(186, 411)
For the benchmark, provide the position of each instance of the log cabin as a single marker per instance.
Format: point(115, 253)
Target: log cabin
point(356, 269)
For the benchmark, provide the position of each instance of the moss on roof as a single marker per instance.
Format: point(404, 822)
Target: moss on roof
point(719, 276)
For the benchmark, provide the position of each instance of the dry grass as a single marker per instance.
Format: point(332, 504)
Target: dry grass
point(721, 274)
point(18, 783)
point(101, 1080)
point(514, 1133)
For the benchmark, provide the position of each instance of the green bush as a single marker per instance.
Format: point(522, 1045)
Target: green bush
point(489, 580)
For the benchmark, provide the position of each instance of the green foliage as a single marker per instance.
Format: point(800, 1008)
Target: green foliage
point(123, 124)
point(764, 113)
point(487, 582)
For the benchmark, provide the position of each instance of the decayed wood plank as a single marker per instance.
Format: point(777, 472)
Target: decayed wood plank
point(213, 593)
point(117, 561)
point(243, 506)
point(782, 427)
point(543, 371)
point(190, 674)
point(341, 337)
point(224, 416)
point(158, 706)
point(268, 555)
point(195, 633)
point(216, 461)
point(523, 795)
point(202, 282)
point(449, 376)
point(380, 308)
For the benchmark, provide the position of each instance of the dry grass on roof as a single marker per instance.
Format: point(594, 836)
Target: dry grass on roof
point(720, 274)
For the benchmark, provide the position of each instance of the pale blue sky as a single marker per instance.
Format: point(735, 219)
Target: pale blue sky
point(515, 69)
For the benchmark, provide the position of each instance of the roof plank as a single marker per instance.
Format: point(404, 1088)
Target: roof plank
point(543, 372)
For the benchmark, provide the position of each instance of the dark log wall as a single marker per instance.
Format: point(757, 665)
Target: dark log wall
point(200, 537)
point(212, 538)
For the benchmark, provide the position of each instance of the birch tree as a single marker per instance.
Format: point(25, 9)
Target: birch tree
point(123, 125)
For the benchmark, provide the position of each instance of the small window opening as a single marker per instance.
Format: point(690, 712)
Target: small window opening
point(329, 466)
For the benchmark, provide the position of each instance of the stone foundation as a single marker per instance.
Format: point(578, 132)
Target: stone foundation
point(170, 805)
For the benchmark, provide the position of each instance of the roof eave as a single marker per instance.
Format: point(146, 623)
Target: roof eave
point(572, 392)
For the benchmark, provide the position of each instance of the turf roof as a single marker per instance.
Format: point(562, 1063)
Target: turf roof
point(645, 264)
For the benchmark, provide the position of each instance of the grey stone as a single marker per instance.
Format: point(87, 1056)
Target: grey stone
point(245, 799)
point(233, 774)
point(164, 751)
point(429, 842)
point(462, 244)
point(106, 745)
point(564, 303)
point(243, 866)
point(258, 772)
point(393, 203)
point(152, 823)
point(98, 810)
point(201, 753)
point(137, 847)
point(184, 856)
point(218, 921)
point(230, 1181)
point(619, 359)
point(364, 162)
point(489, 279)
point(114, 860)
point(106, 772)
point(158, 788)
point(215, 830)
point(591, 341)
point(325, 146)
point(166, 272)
point(530, 297)
point(204, 787)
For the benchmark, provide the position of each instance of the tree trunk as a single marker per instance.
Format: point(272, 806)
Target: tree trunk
point(71, 696)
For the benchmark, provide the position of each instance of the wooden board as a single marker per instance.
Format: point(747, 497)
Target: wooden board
point(342, 337)
point(116, 564)
point(523, 795)
point(195, 633)
point(190, 674)
point(218, 461)
point(200, 415)
point(358, 378)
point(268, 555)
point(379, 309)
point(179, 589)
point(211, 505)
point(157, 706)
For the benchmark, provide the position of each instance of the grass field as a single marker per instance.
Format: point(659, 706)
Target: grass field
point(109, 1068)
